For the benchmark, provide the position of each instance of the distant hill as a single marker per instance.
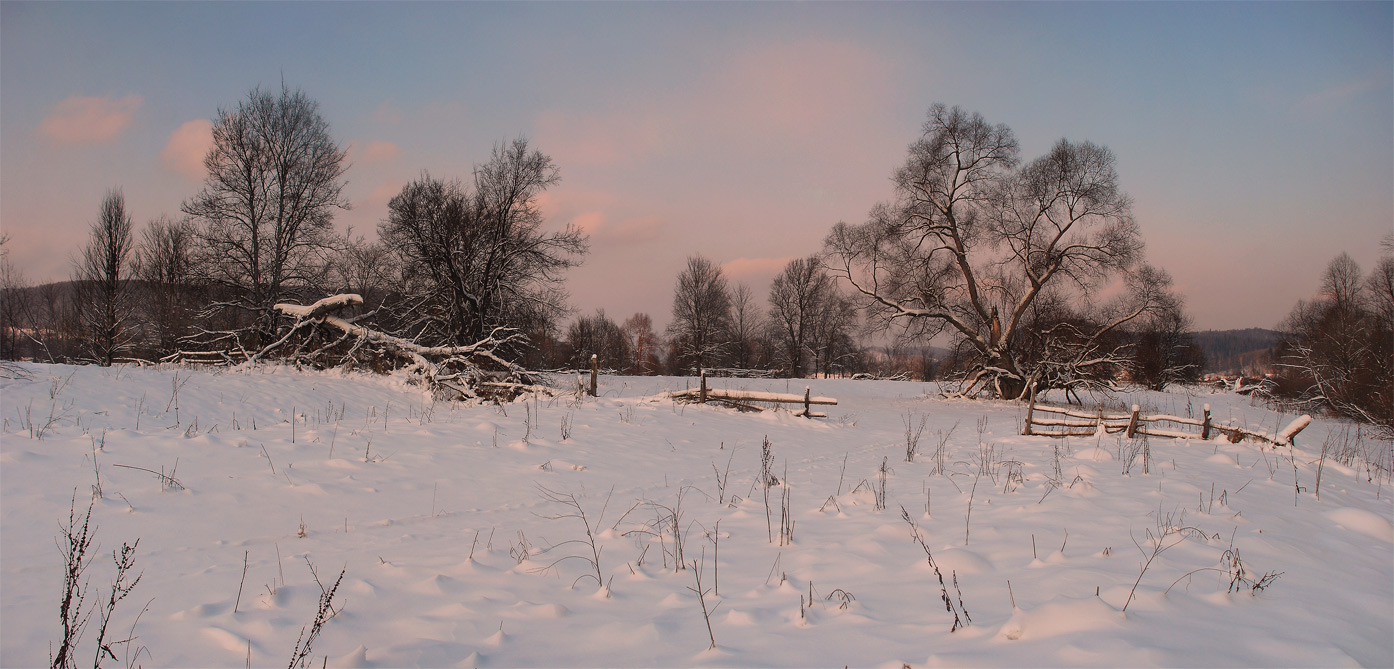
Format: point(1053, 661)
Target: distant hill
point(1248, 350)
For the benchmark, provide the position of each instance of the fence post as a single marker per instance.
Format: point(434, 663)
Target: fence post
point(702, 394)
point(1205, 425)
point(595, 371)
point(1030, 408)
point(1132, 422)
point(806, 406)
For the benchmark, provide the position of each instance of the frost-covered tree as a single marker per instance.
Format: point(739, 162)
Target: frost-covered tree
point(104, 297)
point(975, 239)
point(265, 214)
point(1338, 348)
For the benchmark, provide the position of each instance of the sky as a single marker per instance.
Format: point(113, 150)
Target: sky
point(1256, 139)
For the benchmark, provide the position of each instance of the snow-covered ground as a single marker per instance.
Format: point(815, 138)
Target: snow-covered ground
point(438, 514)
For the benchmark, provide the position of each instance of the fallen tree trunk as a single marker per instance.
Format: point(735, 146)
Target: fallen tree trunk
point(473, 370)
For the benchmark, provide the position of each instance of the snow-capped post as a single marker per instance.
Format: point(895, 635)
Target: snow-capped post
point(702, 394)
point(1132, 421)
point(806, 407)
point(1030, 408)
point(1205, 425)
point(595, 371)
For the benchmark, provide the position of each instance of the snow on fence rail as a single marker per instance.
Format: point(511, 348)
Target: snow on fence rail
point(741, 399)
point(1082, 424)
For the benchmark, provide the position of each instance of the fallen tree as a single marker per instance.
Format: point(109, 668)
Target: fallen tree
point(320, 339)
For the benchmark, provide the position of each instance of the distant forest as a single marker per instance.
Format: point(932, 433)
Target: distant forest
point(1247, 351)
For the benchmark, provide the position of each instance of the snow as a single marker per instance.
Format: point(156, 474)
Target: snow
point(320, 307)
point(427, 507)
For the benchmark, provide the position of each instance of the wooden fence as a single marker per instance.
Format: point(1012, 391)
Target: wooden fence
point(1076, 423)
point(742, 399)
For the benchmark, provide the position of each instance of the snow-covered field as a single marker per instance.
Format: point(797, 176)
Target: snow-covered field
point(438, 514)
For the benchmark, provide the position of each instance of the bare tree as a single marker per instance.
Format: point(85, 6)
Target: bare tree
point(265, 214)
point(748, 329)
point(1338, 349)
point(797, 299)
point(14, 305)
point(701, 316)
point(104, 296)
point(166, 255)
point(974, 239)
point(475, 260)
point(599, 336)
point(1165, 349)
point(830, 339)
point(645, 346)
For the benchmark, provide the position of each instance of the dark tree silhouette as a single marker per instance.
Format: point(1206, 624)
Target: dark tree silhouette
point(104, 297)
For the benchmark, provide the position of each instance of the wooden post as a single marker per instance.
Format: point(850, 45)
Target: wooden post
point(702, 394)
point(1132, 422)
point(1205, 425)
point(1030, 408)
point(806, 407)
point(595, 371)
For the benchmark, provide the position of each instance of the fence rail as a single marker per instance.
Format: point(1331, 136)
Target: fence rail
point(1134, 423)
point(742, 399)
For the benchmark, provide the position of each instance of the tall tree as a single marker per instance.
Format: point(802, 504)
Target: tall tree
point(104, 295)
point(974, 239)
point(748, 328)
point(797, 299)
point(476, 259)
point(265, 214)
point(701, 316)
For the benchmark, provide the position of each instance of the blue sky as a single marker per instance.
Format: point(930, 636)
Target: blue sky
point(1257, 139)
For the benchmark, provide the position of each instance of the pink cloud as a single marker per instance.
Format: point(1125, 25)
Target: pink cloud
point(89, 120)
point(380, 151)
point(625, 233)
point(186, 148)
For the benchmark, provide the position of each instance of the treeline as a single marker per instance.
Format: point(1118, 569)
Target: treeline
point(1248, 351)
point(1000, 258)
point(461, 268)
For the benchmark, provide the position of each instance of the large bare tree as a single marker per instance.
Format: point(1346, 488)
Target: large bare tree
point(974, 239)
point(104, 297)
point(265, 214)
point(475, 260)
